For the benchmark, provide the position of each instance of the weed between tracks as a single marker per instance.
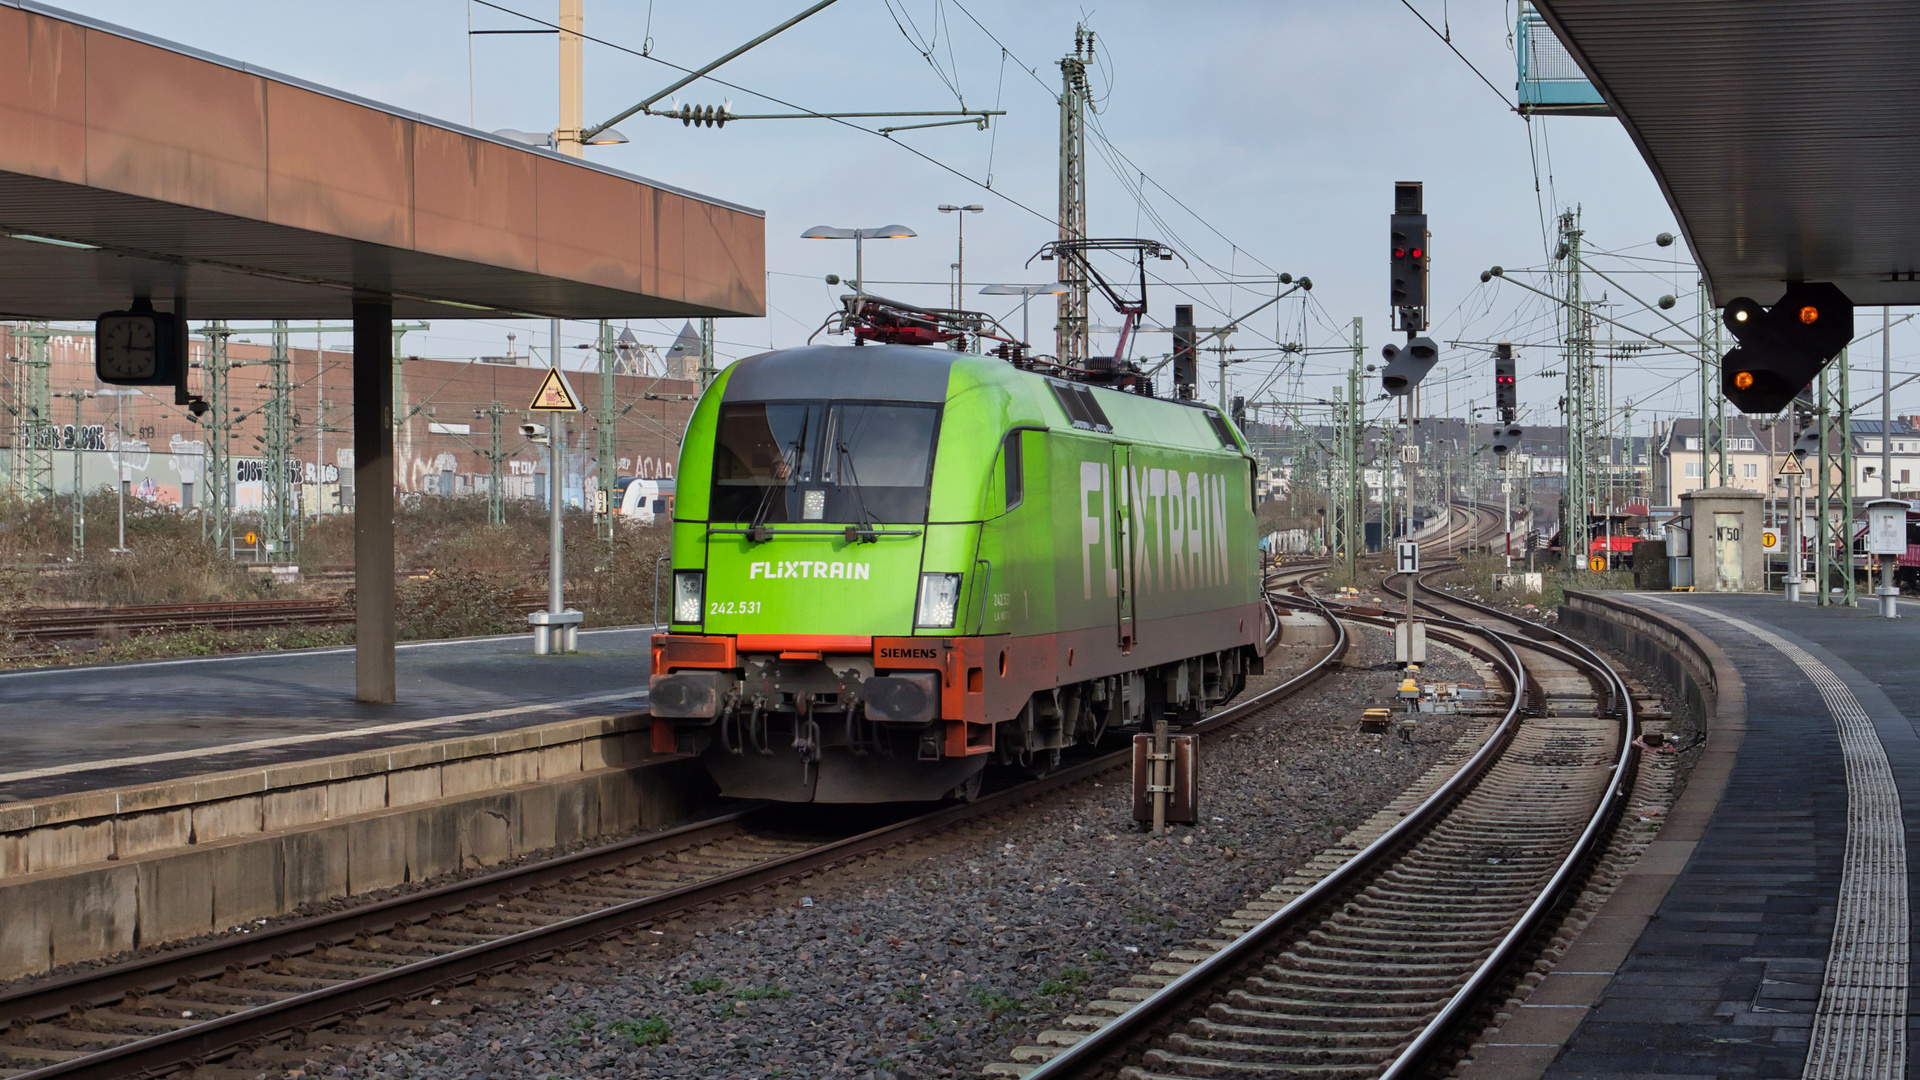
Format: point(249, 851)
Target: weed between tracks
point(1477, 571)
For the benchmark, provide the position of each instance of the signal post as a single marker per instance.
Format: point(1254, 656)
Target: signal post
point(1406, 366)
point(1506, 437)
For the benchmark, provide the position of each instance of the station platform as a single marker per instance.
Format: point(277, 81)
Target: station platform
point(1765, 933)
point(85, 728)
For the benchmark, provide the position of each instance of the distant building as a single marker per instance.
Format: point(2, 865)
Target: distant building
point(1905, 437)
point(1752, 458)
point(443, 428)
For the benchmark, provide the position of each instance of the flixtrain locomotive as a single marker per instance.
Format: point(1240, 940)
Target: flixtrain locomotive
point(893, 564)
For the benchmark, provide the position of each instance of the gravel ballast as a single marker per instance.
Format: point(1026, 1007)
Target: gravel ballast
point(936, 959)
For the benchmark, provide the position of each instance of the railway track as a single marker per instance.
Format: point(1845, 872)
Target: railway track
point(50, 624)
point(66, 624)
point(1372, 962)
point(416, 957)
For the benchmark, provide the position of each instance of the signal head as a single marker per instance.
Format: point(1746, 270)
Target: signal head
point(1742, 315)
point(1407, 365)
point(1785, 347)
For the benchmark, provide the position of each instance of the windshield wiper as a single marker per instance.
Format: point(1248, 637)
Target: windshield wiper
point(859, 497)
point(757, 528)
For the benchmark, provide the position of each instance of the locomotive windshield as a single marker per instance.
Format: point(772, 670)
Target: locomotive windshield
point(835, 462)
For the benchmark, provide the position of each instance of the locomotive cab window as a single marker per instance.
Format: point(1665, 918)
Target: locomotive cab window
point(851, 463)
point(1222, 430)
point(1016, 479)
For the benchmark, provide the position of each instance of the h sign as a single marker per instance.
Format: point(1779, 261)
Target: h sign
point(1409, 561)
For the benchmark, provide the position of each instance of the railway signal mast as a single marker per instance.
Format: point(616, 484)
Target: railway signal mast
point(1406, 366)
point(1506, 436)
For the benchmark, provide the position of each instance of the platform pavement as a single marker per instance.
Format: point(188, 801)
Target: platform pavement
point(83, 728)
point(1725, 977)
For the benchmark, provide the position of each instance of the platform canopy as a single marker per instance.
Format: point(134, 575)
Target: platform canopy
point(131, 166)
point(1785, 134)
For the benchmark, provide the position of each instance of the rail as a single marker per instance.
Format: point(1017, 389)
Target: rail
point(1101, 1049)
point(226, 1034)
point(53, 624)
point(1443, 1026)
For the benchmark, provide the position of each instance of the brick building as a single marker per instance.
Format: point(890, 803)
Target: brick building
point(444, 410)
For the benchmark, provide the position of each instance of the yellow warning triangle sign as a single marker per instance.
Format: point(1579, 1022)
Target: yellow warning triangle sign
point(555, 394)
point(1790, 466)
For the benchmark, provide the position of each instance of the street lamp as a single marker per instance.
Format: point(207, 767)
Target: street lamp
point(884, 232)
point(120, 455)
point(960, 266)
point(1025, 293)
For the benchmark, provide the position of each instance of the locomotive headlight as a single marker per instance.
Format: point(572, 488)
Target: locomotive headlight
point(688, 585)
point(939, 601)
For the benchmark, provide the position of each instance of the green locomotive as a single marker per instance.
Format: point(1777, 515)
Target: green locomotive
point(893, 564)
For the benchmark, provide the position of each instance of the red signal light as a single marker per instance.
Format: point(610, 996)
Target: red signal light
point(1399, 253)
point(1415, 253)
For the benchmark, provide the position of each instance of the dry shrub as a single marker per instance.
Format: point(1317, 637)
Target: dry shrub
point(456, 603)
point(478, 570)
point(161, 570)
point(613, 581)
point(166, 562)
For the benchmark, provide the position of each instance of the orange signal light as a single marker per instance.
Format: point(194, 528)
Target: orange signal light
point(1809, 315)
point(1744, 380)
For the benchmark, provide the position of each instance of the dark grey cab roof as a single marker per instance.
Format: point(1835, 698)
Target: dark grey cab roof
point(831, 372)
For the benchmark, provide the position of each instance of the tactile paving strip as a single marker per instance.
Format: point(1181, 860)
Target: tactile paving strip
point(1859, 1027)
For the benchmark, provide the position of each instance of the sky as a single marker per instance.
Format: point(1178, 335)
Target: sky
point(1255, 137)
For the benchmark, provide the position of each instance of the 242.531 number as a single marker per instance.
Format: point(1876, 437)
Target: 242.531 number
point(734, 607)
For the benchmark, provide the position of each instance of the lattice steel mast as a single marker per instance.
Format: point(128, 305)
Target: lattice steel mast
point(604, 420)
point(216, 525)
point(1070, 331)
point(1582, 421)
point(33, 446)
point(279, 512)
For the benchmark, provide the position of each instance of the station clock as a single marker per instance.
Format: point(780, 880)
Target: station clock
point(137, 347)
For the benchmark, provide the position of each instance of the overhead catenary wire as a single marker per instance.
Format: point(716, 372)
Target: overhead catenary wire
point(1103, 143)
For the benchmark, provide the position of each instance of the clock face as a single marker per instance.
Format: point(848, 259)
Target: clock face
point(127, 347)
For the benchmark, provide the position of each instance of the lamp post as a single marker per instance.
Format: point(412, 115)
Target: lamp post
point(1025, 293)
point(120, 455)
point(960, 252)
point(884, 232)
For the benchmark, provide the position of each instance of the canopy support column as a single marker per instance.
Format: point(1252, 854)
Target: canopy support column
point(373, 499)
